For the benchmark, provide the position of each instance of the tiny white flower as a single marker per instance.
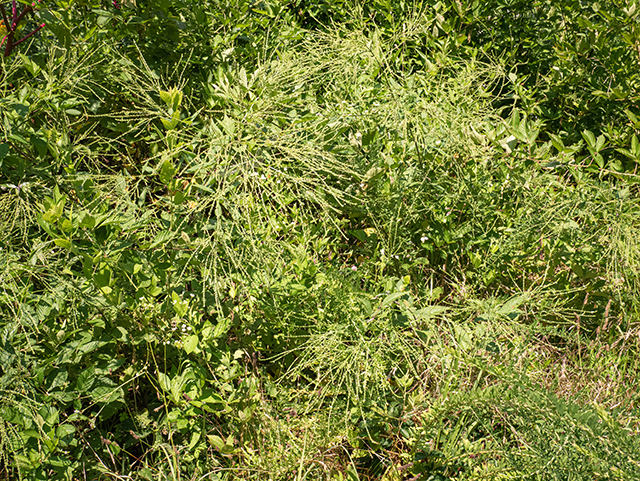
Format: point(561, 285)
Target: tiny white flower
point(193, 295)
point(424, 238)
point(354, 268)
point(262, 177)
point(189, 328)
point(397, 257)
point(381, 252)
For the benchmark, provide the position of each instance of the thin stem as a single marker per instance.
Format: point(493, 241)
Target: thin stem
point(26, 10)
point(9, 47)
point(4, 17)
point(29, 35)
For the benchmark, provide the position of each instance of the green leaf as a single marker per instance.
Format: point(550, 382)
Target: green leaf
point(162, 238)
point(222, 327)
point(64, 243)
point(102, 277)
point(195, 437)
point(103, 19)
point(590, 138)
point(216, 441)
point(167, 172)
point(21, 109)
point(166, 97)
point(179, 198)
point(57, 378)
point(359, 234)
point(30, 65)
point(87, 220)
point(392, 297)
point(229, 125)
point(65, 430)
point(191, 344)
point(164, 381)
point(599, 160)
point(4, 150)
point(172, 98)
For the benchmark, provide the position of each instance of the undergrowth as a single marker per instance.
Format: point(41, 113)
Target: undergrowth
point(323, 263)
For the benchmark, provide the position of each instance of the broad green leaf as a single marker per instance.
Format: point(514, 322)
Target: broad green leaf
point(167, 172)
point(102, 277)
point(57, 378)
point(392, 297)
point(21, 109)
point(599, 160)
point(164, 381)
point(590, 138)
point(222, 327)
point(228, 125)
point(216, 441)
point(166, 97)
point(64, 243)
point(86, 378)
point(195, 437)
point(87, 220)
point(190, 344)
point(162, 237)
